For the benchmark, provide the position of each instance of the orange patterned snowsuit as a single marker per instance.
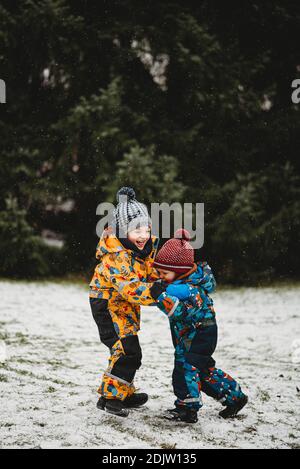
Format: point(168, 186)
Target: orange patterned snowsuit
point(121, 283)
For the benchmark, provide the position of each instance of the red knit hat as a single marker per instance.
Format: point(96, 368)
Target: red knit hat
point(176, 255)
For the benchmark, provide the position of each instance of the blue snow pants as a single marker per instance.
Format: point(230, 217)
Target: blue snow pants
point(195, 371)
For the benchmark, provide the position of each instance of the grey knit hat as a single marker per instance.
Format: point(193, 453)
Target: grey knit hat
point(129, 214)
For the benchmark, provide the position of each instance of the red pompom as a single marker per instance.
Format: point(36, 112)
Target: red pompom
point(182, 234)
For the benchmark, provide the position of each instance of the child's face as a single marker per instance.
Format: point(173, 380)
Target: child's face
point(139, 236)
point(166, 275)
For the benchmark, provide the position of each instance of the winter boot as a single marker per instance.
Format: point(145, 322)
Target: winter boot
point(135, 400)
point(232, 410)
point(101, 403)
point(113, 406)
point(183, 414)
point(131, 402)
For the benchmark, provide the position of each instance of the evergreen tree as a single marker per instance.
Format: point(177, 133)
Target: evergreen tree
point(22, 252)
point(192, 97)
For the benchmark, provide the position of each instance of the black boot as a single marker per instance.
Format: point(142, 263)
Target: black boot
point(183, 414)
point(112, 406)
point(101, 403)
point(116, 407)
point(232, 410)
point(135, 400)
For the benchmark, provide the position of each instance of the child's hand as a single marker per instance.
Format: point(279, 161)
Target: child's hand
point(181, 291)
point(157, 289)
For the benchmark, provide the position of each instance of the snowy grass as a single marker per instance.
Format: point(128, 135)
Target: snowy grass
point(51, 362)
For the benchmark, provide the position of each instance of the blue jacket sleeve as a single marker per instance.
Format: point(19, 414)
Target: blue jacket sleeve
point(180, 290)
point(208, 281)
point(171, 306)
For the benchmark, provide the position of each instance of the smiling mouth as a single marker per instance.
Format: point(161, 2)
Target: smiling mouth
point(140, 244)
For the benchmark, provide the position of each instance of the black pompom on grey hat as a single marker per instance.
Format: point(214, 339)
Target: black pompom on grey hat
point(129, 214)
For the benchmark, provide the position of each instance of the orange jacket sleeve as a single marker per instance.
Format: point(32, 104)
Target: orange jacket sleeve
point(118, 270)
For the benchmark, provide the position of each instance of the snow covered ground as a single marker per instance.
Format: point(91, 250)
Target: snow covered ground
point(51, 362)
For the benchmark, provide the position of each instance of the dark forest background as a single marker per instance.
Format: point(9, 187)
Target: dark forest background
point(185, 101)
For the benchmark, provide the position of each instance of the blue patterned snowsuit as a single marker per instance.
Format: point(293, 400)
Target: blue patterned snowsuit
point(194, 333)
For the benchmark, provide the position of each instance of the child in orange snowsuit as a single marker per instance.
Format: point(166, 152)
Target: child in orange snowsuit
point(122, 282)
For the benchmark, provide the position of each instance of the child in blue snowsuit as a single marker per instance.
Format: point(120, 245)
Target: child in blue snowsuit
point(183, 296)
